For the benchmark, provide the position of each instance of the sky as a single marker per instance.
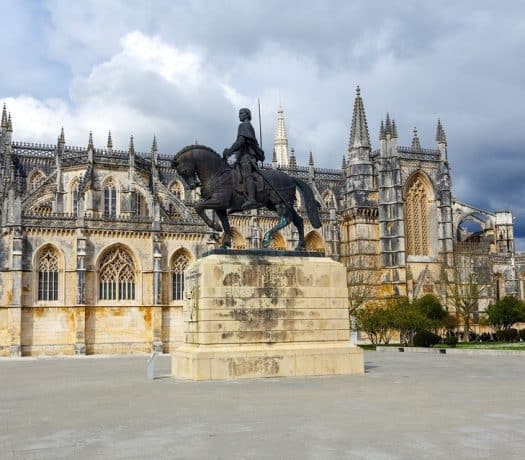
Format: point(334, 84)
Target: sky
point(181, 70)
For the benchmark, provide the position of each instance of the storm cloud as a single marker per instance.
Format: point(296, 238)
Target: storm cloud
point(181, 70)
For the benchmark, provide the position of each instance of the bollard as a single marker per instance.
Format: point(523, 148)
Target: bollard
point(150, 371)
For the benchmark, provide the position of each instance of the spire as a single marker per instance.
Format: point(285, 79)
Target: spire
point(62, 138)
point(311, 159)
point(359, 136)
point(110, 141)
point(343, 164)
point(9, 124)
point(4, 117)
point(90, 141)
point(416, 145)
point(394, 129)
point(154, 145)
point(388, 124)
point(281, 140)
point(382, 133)
point(441, 138)
point(131, 146)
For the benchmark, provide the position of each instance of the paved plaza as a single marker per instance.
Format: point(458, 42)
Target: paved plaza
point(406, 406)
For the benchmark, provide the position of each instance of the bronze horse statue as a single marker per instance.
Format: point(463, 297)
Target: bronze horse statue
point(199, 165)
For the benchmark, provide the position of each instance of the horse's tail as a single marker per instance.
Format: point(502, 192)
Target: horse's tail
point(311, 204)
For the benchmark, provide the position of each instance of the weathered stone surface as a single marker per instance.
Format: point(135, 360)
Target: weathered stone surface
point(254, 316)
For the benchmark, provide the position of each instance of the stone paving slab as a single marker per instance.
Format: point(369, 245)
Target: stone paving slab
point(422, 406)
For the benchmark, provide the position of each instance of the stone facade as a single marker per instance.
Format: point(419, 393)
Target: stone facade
point(95, 241)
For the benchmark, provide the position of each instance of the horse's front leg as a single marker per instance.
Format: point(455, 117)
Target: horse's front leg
point(227, 238)
point(200, 209)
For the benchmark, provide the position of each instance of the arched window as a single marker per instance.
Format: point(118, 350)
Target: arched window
point(110, 199)
point(179, 264)
point(117, 276)
point(278, 242)
point(177, 189)
point(140, 206)
point(74, 199)
point(48, 275)
point(416, 215)
point(36, 180)
point(314, 242)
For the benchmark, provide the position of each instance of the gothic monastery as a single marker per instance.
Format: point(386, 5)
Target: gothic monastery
point(94, 241)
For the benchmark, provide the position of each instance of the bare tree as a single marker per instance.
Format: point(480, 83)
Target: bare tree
point(362, 284)
point(467, 281)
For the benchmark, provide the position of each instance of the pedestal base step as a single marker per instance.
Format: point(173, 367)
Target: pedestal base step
point(262, 360)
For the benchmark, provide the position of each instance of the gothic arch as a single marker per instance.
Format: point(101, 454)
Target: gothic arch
point(111, 196)
point(314, 242)
point(35, 179)
point(278, 242)
point(48, 269)
point(177, 189)
point(418, 195)
point(179, 262)
point(238, 241)
point(118, 274)
point(74, 195)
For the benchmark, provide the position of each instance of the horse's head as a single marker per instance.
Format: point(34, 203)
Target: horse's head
point(186, 168)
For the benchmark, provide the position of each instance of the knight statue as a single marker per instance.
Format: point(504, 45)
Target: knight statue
point(248, 153)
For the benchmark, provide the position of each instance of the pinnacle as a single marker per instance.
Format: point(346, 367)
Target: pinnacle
point(90, 141)
point(131, 145)
point(311, 159)
point(416, 145)
point(154, 145)
point(62, 138)
point(441, 138)
point(110, 141)
point(359, 136)
point(274, 156)
point(4, 117)
point(394, 129)
point(9, 124)
point(382, 133)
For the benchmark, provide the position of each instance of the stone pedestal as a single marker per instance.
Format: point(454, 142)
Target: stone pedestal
point(249, 314)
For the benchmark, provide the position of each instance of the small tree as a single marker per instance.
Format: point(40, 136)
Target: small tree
point(505, 312)
point(361, 285)
point(408, 320)
point(377, 322)
point(430, 307)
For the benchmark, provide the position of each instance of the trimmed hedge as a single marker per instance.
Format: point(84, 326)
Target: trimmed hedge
point(452, 341)
point(508, 335)
point(426, 339)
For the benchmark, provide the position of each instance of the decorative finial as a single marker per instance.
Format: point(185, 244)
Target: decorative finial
point(9, 124)
point(110, 141)
point(388, 124)
point(274, 156)
point(4, 117)
point(62, 138)
point(382, 134)
point(131, 145)
point(311, 159)
point(416, 145)
point(154, 145)
point(394, 129)
point(358, 91)
point(90, 141)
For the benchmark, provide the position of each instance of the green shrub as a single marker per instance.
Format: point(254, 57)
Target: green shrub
point(426, 339)
point(508, 335)
point(505, 312)
point(451, 340)
point(522, 334)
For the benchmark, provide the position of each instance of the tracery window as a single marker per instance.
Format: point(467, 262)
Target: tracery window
point(74, 199)
point(110, 199)
point(140, 207)
point(48, 275)
point(177, 189)
point(37, 179)
point(117, 276)
point(178, 267)
point(416, 214)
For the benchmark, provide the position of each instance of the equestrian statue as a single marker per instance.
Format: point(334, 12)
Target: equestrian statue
point(245, 185)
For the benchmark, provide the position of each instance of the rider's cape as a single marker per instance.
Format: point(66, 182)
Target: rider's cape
point(246, 130)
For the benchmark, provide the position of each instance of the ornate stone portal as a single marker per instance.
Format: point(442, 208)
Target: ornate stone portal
point(262, 314)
